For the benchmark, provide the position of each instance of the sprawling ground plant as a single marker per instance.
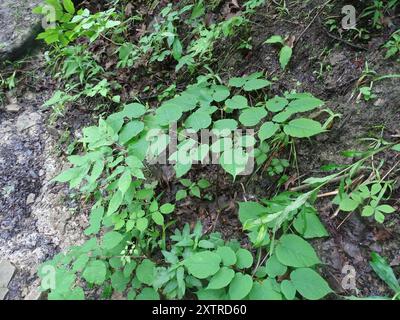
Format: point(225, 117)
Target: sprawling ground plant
point(131, 248)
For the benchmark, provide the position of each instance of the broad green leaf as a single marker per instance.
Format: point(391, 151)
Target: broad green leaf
point(203, 264)
point(348, 205)
point(180, 195)
point(288, 289)
point(240, 286)
point(124, 181)
point(237, 82)
point(237, 102)
point(250, 210)
point(227, 255)
point(130, 130)
point(252, 116)
point(148, 294)
point(134, 110)
point(274, 39)
point(267, 130)
point(264, 291)
point(119, 281)
point(69, 6)
point(167, 208)
point(220, 93)
point(309, 284)
point(115, 202)
point(158, 218)
point(304, 104)
point(95, 272)
point(229, 124)
point(276, 104)
point(302, 128)
point(274, 268)
point(309, 225)
point(396, 147)
point(203, 183)
point(146, 271)
point(168, 113)
point(198, 120)
point(284, 56)
point(221, 279)
point(384, 271)
point(293, 251)
point(234, 161)
point(96, 216)
point(255, 84)
point(111, 240)
point(244, 259)
point(204, 294)
point(142, 224)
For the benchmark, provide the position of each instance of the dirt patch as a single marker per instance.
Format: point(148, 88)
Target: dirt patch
point(37, 217)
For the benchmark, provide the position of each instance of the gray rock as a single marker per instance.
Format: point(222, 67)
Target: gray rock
point(6, 273)
point(30, 199)
point(18, 26)
point(13, 107)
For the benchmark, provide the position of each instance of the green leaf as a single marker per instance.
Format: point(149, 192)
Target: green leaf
point(276, 104)
point(293, 251)
point(168, 113)
point(284, 56)
point(288, 289)
point(221, 279)
point(244, 259)
point(203, 183)
point(385, 208)
point(124, 181)
point(309, 284)
point(264, 291)
point(234, 161)
point(119, 281)
point(69, 6)
point(256, 84)
point(142, 224)
point(96, 216)
point(130, 130)
point(95, 272)
point(237, 102)
point(274, 268)
point(146, 271)
point(134, 110)
point(148, 294)
point(220, 93)
point(267, 130)
point(309, 225)
point(180, 195)
point(111, 240)
point(384, 271)
point(302, 128)
point(229, 124)
point(304, 104)
point(240, 286)
point(203, 264)
point(250, 210)
point(227, 255)
point(348, 205)
point(198, 10)
point(158, 218)
point(115, 202)
point(252, 116)
point(167, 208)
point(198, 120)
point(274, 39)
point(396, 147)
point(237, 82)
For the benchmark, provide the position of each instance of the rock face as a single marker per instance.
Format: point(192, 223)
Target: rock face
point(18, 26)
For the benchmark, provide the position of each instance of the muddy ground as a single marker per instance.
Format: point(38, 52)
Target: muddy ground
point(39, 218)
